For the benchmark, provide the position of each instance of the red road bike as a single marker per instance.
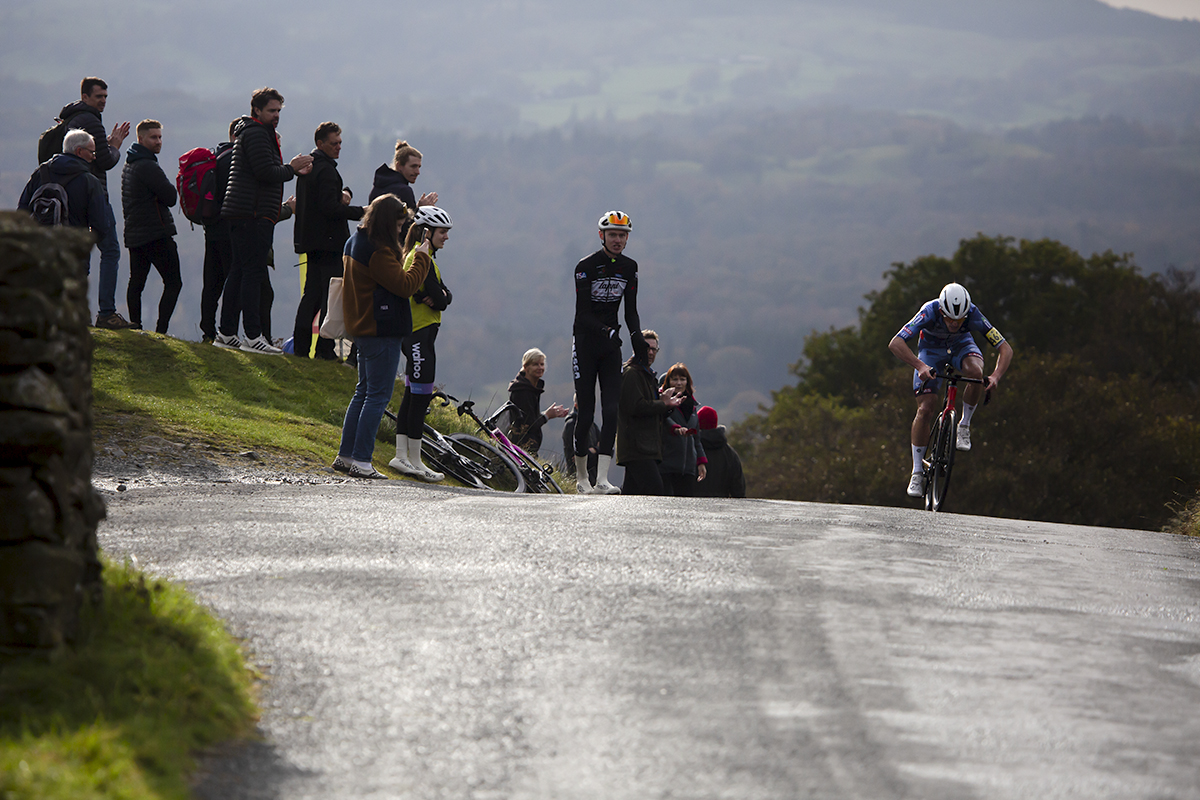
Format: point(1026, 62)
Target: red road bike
point(943, 440)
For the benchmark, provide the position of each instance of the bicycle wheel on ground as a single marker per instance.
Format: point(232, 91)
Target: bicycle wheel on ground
point(538, 477)
point(437, 455)
point(492, 467)
point(942, 463)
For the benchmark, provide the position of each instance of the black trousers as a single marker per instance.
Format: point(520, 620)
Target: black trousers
point(320, 266)
point(642, 477)
point(593, 359)
point(163, 255)
point(244, 285)
point(218, 253)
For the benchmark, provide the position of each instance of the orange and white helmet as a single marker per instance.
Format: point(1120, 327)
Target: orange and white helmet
point(615, 221)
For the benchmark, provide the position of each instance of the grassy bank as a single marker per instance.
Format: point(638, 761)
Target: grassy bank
point(156, 680)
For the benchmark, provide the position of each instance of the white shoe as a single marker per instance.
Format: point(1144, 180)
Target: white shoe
point(602, 485)
point(582, 484)
point(419, 469)
point(228, 342)
point(964, 437)
point(401, 463)
point(261, 345)
point(916, 485)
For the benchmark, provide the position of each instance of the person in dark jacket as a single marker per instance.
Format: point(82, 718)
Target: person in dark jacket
point(684, 462)
point(725, 476)
point(86, 115)
point(640, 414)
point(322, 227)
point(87, 207)
point(524, 392)
point(375, 303)
point(252, 203)
point(399, 177)
point(147, 195)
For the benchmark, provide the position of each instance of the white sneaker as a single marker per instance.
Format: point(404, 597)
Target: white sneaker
point(916, 485)
point(964, 437)
point(228, 342)
point(401, 463)
point(602, 485)
point(261, 345)
point(582, 484)
point(419, 469)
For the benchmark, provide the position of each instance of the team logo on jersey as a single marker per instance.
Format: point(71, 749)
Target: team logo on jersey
point(608, 290)
point(580, 276)
point(994, 337)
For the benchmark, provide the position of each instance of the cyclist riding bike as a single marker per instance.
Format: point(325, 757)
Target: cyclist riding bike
point(943, 328)
point(602, 281)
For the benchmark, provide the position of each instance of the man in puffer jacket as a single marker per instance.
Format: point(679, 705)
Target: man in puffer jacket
point(87, 205)
point(147, 195)
point(252, 204)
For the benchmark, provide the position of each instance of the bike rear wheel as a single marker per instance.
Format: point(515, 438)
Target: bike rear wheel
point(942, 441)
point(494, 469)
point(538, 479)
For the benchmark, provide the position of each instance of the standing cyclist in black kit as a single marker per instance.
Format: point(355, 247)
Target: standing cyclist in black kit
point(601, 281)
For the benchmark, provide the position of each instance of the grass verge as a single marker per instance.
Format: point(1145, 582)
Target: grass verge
point(156, 680)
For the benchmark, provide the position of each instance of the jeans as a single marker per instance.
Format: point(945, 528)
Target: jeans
point(110, 259)
point(163, 255)
point(251, 240)
point(378, 358)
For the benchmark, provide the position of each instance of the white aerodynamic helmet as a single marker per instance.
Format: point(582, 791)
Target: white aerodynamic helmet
point(615, 221)
point(433, 217)
point(955, 300)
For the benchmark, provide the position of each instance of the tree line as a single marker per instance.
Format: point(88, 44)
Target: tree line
point(1097, 421)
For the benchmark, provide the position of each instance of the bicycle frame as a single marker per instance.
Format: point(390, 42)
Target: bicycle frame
point(520, 457)
point(939, 457)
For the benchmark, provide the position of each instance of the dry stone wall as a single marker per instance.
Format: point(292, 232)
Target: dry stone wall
point(48, 509)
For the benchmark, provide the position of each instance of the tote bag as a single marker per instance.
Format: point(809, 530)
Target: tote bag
point(334, 326)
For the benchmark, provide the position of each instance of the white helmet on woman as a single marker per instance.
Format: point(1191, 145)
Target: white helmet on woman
point(433, 217)
point(615, 221)
point(954, 300)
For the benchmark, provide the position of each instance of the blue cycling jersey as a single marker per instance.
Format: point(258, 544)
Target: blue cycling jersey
point(933, 334)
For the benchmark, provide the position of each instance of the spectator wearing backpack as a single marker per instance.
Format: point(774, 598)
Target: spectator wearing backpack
point(323, 212)
point(252, 203)
point(147, 195)
point(218, 252)
point(81, 191)
point(86, 115)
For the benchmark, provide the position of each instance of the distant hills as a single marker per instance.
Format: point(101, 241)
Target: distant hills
point(776, 156)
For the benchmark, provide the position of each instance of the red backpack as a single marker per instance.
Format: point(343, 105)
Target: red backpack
point(197, 183)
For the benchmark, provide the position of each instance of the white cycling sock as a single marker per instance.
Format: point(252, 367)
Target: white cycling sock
point(918, 454)
point(968, 412)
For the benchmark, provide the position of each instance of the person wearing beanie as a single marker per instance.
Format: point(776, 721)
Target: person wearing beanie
point(725, 477)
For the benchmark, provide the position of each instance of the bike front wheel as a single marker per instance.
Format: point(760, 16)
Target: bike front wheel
point(438, 452)
point(494, 469)
point(942, 441)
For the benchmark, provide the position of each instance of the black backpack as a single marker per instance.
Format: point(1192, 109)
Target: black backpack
point(50, 143)
point(48, 205)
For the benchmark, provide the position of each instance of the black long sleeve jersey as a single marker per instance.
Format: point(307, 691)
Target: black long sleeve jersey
point(601, 282)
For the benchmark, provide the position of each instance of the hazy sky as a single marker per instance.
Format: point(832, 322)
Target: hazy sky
point(1176, 9)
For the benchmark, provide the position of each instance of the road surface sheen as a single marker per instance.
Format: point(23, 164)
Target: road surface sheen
point(427, 643)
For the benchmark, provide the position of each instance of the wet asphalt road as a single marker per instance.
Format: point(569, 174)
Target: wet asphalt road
point(428, 643)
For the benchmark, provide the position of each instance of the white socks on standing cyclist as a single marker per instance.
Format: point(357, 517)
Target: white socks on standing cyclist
point(968, 412)
point(918, 454)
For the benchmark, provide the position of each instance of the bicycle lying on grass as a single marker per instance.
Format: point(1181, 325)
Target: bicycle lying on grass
point(471, 461)
point(537, 477)
point(943, 440)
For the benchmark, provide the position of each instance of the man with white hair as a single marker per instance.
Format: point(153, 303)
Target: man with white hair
point(86, 202)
